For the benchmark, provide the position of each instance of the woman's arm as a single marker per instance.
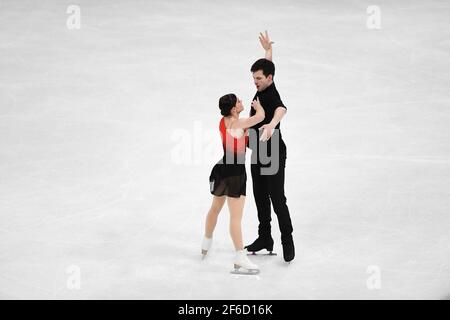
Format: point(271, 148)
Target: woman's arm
point(245, 123)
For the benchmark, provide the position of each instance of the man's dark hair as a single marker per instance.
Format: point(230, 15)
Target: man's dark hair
point(265, 65)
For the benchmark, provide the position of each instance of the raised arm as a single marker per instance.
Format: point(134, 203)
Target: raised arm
point(266, 44)
point(245, 123)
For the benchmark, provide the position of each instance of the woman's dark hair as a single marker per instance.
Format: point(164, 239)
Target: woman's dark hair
point(226, 103)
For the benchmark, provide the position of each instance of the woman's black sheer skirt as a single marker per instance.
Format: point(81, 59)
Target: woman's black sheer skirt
point(228, 180)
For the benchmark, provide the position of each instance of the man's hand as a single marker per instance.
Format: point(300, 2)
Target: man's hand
point(265, 41)
point(268, 130)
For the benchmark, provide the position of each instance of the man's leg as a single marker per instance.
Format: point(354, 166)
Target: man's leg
point(262, 200)
point(276, 191)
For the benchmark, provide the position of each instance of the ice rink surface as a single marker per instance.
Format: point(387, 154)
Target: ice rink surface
point(108, 134)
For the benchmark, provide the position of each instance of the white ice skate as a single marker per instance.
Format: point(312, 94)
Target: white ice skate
point(242, 264)
point(206, 245)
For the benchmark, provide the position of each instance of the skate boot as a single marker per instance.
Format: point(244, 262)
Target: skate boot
point(206, 245)
point(260, 244)
point(242, 264)
point(288, 248)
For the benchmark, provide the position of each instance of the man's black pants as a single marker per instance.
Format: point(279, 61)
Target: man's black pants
point(270, 188)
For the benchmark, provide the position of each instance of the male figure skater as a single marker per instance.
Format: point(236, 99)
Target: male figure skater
point(268, 176)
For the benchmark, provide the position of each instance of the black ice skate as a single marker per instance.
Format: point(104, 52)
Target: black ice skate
point(288, 249)
point(260, 244)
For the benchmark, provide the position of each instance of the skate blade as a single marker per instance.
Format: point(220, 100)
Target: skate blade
point(204, 254)
point(250, 272)
point(262, 254)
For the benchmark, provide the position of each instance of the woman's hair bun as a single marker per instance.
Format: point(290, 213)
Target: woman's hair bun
point(226, 103)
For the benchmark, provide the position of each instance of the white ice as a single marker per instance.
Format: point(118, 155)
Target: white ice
point(92, 120)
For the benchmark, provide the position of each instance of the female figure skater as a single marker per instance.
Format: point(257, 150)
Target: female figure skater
point(228, 177)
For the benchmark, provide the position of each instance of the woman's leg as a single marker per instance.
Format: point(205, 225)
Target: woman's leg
point(236, 206)
point(213, 213)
